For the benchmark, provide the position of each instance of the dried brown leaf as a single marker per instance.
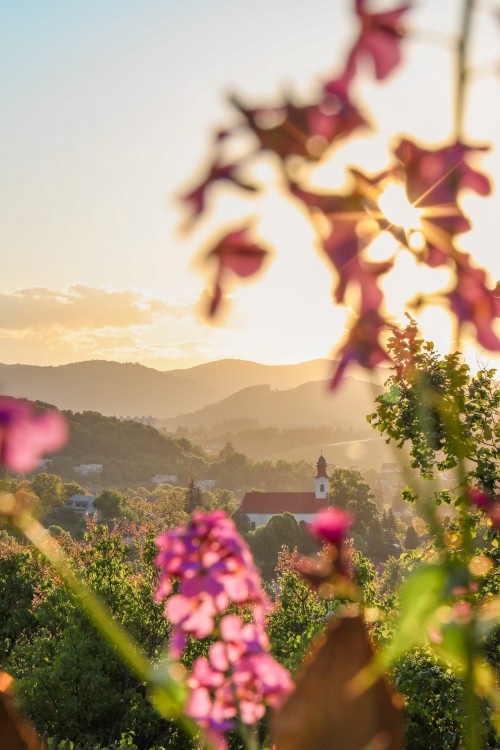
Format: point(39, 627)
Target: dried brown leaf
point(324, 712)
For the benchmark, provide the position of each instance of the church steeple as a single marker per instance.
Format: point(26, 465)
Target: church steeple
point(321, 479)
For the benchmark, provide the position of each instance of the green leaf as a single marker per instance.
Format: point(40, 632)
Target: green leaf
point(453, 647)
point(423, 592)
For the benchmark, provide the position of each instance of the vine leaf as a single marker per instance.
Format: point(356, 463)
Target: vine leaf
point(324, 713)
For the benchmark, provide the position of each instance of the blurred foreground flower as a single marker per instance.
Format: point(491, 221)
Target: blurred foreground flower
point(239, 678)
point(235, 253)
point(25, 435)
point(379, 40)
point(213, 568)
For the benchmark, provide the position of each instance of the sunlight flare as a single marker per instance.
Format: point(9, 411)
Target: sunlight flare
point(397, 208)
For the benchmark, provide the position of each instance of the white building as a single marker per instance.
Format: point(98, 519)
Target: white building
point(83, 505)
point(260, 507)
point(164, 478)
point(85, 469)
point(206, 484)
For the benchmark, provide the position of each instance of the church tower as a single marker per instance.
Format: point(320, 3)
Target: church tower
point(321, 479)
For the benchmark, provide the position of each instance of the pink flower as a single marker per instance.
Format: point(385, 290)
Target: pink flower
point(305, 131)
point(331, 524)
point(479, 497)
point(217, 172)
point(489, 505)
point(194, 614)
point(239, 678)
point(210, 703)
point(213, 566)
point(343, 245)
point(259, 680)
point(434, 179)
point(379, 40)
point(362, 346)
point(472, 301)
point(25, 435)
point(238, 639)
point(236, 253)
point(462, 612)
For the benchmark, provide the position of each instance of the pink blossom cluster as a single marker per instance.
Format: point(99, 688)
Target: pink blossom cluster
point(489, 505)
point(238, 678)
point(213, 567)
point(25, 434)
point(331, 524)
point(432, 179)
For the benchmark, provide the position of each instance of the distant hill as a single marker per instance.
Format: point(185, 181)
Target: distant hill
point(111, 388)
point(235, 374)
point(128, 389)
point(309, 404)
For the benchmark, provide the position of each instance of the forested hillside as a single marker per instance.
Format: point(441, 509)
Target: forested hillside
point(131, 453)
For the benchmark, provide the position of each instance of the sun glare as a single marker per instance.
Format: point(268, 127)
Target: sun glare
point(397, 209)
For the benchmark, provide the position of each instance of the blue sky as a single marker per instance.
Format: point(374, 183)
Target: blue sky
point(109, 108)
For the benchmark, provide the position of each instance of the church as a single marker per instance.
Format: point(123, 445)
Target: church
point(261, 506)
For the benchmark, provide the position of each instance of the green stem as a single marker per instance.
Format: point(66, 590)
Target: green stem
point(473, 735)
point(166, 692)
point(97, 611)
point(248, 736)
point(462, 68)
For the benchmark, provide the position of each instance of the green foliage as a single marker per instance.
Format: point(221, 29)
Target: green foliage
point(411, 540)
point(445, 413)
point(349, 491)
point(193, 498)
point(267, 541)
point(69, 681)
point(49, 489)
point(432, 703)
point(112, 442)
point(109, 503)
point(299, 615)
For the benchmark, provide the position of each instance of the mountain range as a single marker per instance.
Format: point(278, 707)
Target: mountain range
point(310, 404)
point(204, 395)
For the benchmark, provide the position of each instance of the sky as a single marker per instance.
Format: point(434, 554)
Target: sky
point(108, 112)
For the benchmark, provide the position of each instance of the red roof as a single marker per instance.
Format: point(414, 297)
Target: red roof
point(280, 502)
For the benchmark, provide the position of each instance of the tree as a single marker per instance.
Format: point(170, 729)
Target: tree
point(242, 522)
point(69, 681)
point(411, 538)
point(221, 498)
point(72, 488)
point(348, 490)
point(49, 488)
point(444, 412)
point(266, 542)
point(193, 498)
point(109, 503)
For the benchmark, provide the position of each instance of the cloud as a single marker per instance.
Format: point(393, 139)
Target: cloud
point(80, 307)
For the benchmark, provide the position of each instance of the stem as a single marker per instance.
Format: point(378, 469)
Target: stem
point(473, 735)
point(248, 736)
point(462, 66)
point(166, 692)
point(97, 611)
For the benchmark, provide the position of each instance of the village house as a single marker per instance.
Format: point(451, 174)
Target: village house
point(83, 505)
point(85, 469)
point(261, 506)
point(164, 479)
